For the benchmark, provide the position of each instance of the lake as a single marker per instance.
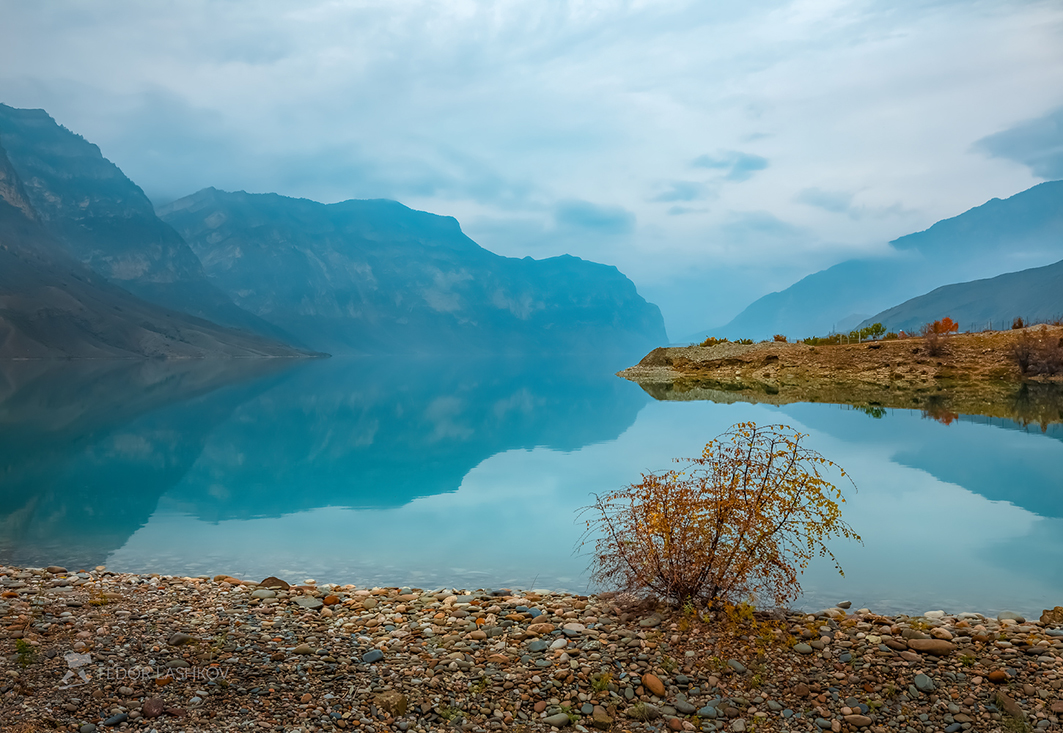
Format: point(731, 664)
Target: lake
point(470, 474)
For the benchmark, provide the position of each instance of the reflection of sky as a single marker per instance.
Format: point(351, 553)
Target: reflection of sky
point(928, 541)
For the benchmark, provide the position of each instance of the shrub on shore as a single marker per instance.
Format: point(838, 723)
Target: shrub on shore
point(742, 521)
point(1040, 355)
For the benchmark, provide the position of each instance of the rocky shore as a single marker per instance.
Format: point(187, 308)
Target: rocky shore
point(94, 651)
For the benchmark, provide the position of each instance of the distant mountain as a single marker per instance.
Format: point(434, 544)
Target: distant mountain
point(53, 306)
point(1023, 231)
point(104, 220)
point(1035, 295)
point(377, 277)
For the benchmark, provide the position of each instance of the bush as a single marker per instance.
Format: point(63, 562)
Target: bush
point(1038, 356)
point(934, 335)
point(713, 341)
point(1017, 324)
point(742, 521)
point(780, 338)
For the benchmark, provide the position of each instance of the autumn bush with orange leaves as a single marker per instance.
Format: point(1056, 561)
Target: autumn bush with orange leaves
point(739, 523)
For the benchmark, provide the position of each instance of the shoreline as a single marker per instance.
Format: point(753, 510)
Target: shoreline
point(972, 374)
point(170, 653)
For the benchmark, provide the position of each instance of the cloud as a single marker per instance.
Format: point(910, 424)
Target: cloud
point(1037, 144)
point(735, 165)
point(569, 127)
point(836, 202)
point(577, 214)
point(681, 191)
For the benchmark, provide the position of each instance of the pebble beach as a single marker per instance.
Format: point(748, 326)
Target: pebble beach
point(96, 650)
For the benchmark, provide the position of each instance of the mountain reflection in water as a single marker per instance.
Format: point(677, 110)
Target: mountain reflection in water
point(471, 474)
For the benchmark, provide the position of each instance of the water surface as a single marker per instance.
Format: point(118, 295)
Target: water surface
point(470, 474)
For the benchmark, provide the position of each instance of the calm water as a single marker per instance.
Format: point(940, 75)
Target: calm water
point(470, 474)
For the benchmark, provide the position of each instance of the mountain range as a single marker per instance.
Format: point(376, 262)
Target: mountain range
point(1017, 233)
point(376, 276)
point(262, 274)
point(1034, 295)
point(52, 306)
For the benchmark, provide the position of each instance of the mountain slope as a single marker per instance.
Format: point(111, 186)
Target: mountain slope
point(1023, 231)
point(105, 221)
point(53, 306)
point(376, 276)
point(1036, 295)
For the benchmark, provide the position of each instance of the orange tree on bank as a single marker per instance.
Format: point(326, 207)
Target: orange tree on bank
point(739, 523)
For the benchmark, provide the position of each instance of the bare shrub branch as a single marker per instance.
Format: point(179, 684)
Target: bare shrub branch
point(742, 521)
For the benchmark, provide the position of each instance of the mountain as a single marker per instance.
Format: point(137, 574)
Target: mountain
point(1035, 295)
point(377, 277)
point(1025, 230)
point(105, 221)
point(53, 306)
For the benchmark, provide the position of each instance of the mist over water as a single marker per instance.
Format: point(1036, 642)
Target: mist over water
point(466, 473)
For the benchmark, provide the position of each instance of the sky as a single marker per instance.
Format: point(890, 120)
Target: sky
point(713, 151)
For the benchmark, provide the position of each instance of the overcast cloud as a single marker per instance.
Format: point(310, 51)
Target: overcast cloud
point(713, 151)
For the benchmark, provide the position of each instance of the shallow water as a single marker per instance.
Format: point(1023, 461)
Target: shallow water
point(470, 474)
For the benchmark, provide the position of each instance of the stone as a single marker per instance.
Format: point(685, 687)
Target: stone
point(998, 677)
point(600, 718)
point(1009, 706)
point(263, 593)
point(373, 655)
point(738, 726)
point(125, 691)
point(153, 707)
point(272, 582)
point(642, 712)
point(87, 728)
point(330, 600)
point(303, 649)
point(560, 720)
point(653, 683)
point(1011, 616)
point(736, 666)
point(309, 602)
point(1053, 617)
point(539, 629)
point(858, 721)
point(685, 707)
point(180, 639)
point(178, 664)
point(937, 647)
point(802, 648)
point(115, 720)
point(651, 621)
point(392, 702)
point(801, 690)
point(1057, 707)
point(846, 605)
point(935, 615)
point(538, 645)
point(924, 684)
point(56, 570)
point(708, 712)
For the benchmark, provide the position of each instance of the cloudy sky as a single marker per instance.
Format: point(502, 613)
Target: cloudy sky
point(713, 150)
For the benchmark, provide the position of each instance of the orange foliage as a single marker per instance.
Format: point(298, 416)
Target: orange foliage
point(943, 327)
point(742, 521)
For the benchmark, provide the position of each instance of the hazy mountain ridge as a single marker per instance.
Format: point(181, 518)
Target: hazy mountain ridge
point(1035, 295)
point(105, 221)
point(1002, 235)
point(52, 306)
point(366, 276)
